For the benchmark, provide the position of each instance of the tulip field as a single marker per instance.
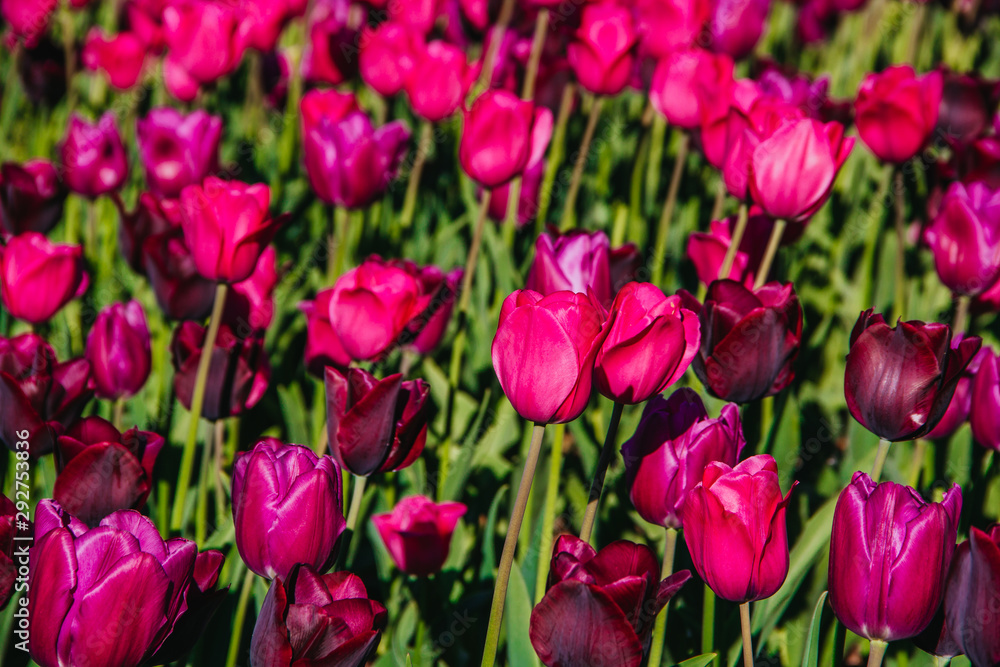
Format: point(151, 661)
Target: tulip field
point(576, 333)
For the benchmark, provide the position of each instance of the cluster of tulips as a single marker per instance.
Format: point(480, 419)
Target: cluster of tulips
point(207, 253)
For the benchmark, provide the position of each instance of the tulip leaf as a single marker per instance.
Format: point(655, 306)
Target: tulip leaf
point(810, 655)
point(293, 408)
point(520, 652)
point(489, 536)
point(702, 660)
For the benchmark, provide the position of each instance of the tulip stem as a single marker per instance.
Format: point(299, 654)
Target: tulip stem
point(69, 48)
point(747, 640)
point(666, 216)
point(337, 255)
point(197, 402)
point(719, 205)
point(535, 57)
point(548, 515)
point(660, 629)
point(919, 452)
point(876, 651)
point(509, 546)
point(880, 456)
point(899, 307)
point(241, 615)
point(961, 320)
point(769, 253)
point(708, 622)
point(569, 213)
point(423, 150)
point(356, 497)
point(734, 242)
point(118, 412)
point(496, 39)
point(201, 498)
point(597, 486)
point(558, 145)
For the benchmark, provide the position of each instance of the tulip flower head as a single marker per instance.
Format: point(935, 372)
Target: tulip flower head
point(579, 261)
point(177, 150)
point(687, 83)
point(8, 530)
point(38, 278)
point(118, 349)
point(965, 238)
point(985, 400)
point(970, 597)
point(896, 111)
point(501, 135)
point(121, 57)
point(417, 533)
point(31, 197)
point(602, 52)
point(93, 157)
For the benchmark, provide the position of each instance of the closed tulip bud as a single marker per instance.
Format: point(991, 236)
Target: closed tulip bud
point(687, 84)
point(375, 425)
point(673, 443)
point(439, 81)
point(899, 380)
point(152, 215)
point(349, 162)
point(102, 470)
point(312, 619)
point(177, 150)
point(8, 530)
point(984, 419)
point(961, 401)
point(707, 250)
point(261, 22)
point(888, 587)
point(120, 57)
point(227, 226)
point(181, 292)
point(238, 374)
point(736, 25)
point(579, 261)
point(331, 106)
point(668, 25)
point(734, 527)
point(793, 170)
point(38, 394)
point(544, 351)
point(93, 156)
point(501, 135)
point(118, 350)
point(287, 508)
point(749, 340)
point(650, 343)
point(896, 111)
point(31, 197)
point(388, 55)
point(323, 347)
point(38, 278)
point(600, 606)
point(965, 238)
point(250, 304)
point(29, 19)
point(417, 533)
point(86, 585)
point(330, 53)
point(601, 53)
point(203, 41)
point(970, 606)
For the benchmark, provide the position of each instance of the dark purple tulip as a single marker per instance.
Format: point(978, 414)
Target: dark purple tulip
point(238, 374)
point(600, 605)
point(118, 350)
point(177, 150)
point(182, 292)
point(961, 401)
point(899, 380)
point(965, 238)
point(985, 415)
point(8, 529)
point(349, 162)
point(375, 425)
point(38, 394)
point(749, 339)
point(31, 197)
point(93, 157)
point(889, 557)
point(417, 533)
point(42, 71)
point(736, 25)
point(673, 443)
point(967, 104)
point(152, 215)
point(313, 620)
point(102, 470)
point(116, 594)
point(970, 597)
point(287, 507)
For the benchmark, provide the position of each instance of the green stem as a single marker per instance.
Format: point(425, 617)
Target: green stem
point(769, 253)
point(197, 402)
point(510, 218)
point(337, 255)
point(218, 446)
point(747, 640)
point(961, 320)
point(899, 307)
point(666, 216)
point(569, 212)
point(660, 629)
point(876, 651)
point(509, 546)
point(69, 46)
point(412, 185)
point(118, 412)
point(708, 622)
point(597, 486)
point(657, 144)
point(241, 614)
point(201, 499)
point(919, 452)
point(499, 31)
point(548, 516)
point(558, 145)
point(719, 205)
point(880, 456)
point(734, 243)
point(356, 497)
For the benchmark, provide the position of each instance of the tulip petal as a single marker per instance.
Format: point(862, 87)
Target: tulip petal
point(102, 479)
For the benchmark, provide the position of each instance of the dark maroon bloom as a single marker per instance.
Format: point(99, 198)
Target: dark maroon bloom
point(152, 216)
point(601, 605)
point(970, 597)
point(985, 414)
point(899, 380)
point(181, 291)
point(31, 197)
point(42, 71)
point(417, 533)
point(375, 425)
point(967, 105)
point(749, 339)
point(310, 619)
point(961, 401)
point(93, 157)
point(238, 374)
point(102, 470)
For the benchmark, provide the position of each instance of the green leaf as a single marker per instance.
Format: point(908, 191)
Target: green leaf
point(810, 655)
point(520, 652)
point(489, 536)
point(293, 407)
point(698, 661)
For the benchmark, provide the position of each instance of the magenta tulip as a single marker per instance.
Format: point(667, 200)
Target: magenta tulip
point(736, 26)
point(177, 150)
point(579, 261)
point(707, 250)
point(250, 304)
point(38, 278)
point(439, 81)
point(93, 156)
point(203, 44)
point(985, 400)
point(323, 346)
point(500, 136)
point(687, 84)
point(31, 197)
point(9, 529)
point(960, 406)
point(970, 597)
point(666, 26)
point(121, 57)
point(331, 106)
point(438, 292)
point(965, 238)
point(896, 111)
point(118, 350)
point(417, 533)
point(388, 55)
point(152, 215)
point(28, 19)
point(601, 53)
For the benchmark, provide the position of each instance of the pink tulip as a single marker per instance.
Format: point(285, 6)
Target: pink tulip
point(668, 25)
point(501, 135)
point(203, 42)
point(38, 278)
point(121, 57)
point(736, 25)
point(417, 533)
point(707, 250)
point(896, 111)
point(687, 84)
point(323, 346)
point(439, 81)
point(177, 150)
point(965, 238)
point(601, 53)
point(388, 55)
point(93, 156)
point(118, 349)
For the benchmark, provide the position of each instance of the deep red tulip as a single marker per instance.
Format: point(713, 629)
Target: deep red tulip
point(311, 619)
point(238, 374)
point(736, 25)
point(985, 400)
point(38, 278)
point(888, 587)
point(600, 605)
point(965, 238)
point(440, 79)
point(896, 111)
point(501, 135)
point(970, 597)
point(734, 527)
point(375, 425)
point(121, 57)
point(177, 150)
point(687, 83)
point(667, 455)
point(86, 586)
point(388, 55)
point(203, 44)
point(707, 250)
point(602, 52)
point(31, 197)
point(417, 533)
point(8, 530)
point(287, 507)
point(102, 470)
point(899, 380)
point(250, 304)
point(93, 156)
point(544, 351)
point(579, 261)
point(118, 350)
point(227, 226)
point(182, 292)
point(323, 347)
